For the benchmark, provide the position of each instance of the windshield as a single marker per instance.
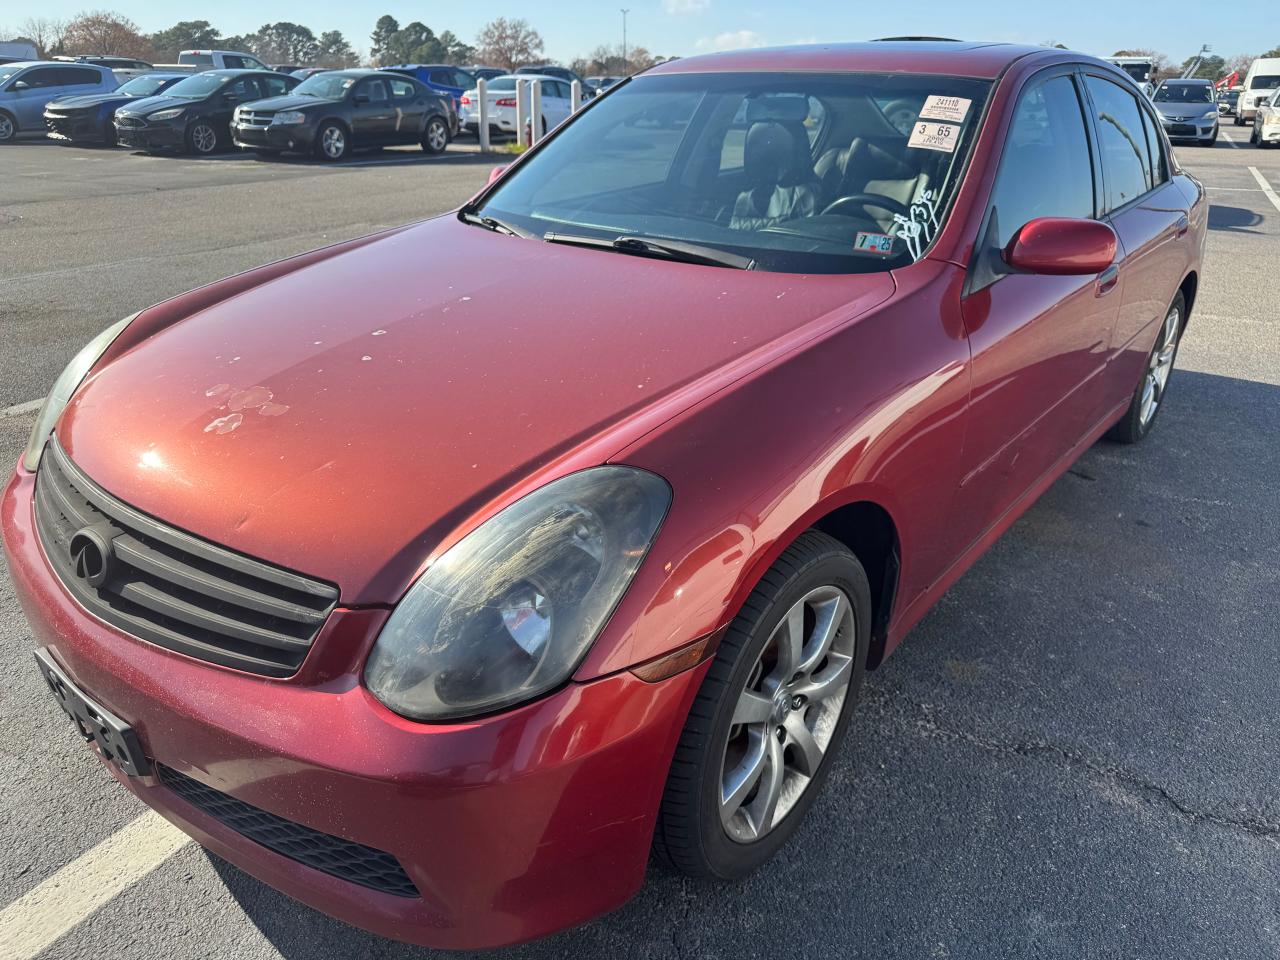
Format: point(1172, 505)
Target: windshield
point(1184, 93)
point(199, 86)
point(802, 173)
point(326, 86)
point(143, 86)
point(1265, 83)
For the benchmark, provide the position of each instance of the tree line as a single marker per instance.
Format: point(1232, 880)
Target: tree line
point(502, 42)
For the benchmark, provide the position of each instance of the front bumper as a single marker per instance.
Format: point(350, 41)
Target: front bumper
point(510, 827)
point(165, 135)
point(1269, 134)
point(1198, 129)
point(273, 136)
point(74, 126)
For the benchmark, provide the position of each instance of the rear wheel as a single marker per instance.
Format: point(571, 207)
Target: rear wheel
point(202, 138)
point(435, 138)
point(770, 715)
point(332, 142)
point(1148, 397)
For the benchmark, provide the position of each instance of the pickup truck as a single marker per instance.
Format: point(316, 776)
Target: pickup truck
point(196, 61)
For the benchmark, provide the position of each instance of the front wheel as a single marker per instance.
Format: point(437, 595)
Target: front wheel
point(436, 136)
point(8, 127)
point(1148, 397)
point(202, 138)
point(331, 142)
point(770, 715)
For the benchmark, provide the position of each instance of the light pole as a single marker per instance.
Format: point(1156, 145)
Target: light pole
point(625, 11)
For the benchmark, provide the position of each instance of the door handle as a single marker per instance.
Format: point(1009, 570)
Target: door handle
point(1107, 279)
point(1183, 226)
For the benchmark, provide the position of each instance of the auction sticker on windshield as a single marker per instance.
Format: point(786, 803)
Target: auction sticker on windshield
point(934, 136)
point(954, 109)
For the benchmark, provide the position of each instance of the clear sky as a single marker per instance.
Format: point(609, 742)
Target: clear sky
point(683, 27)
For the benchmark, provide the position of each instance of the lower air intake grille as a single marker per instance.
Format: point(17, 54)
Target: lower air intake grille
point(353, 862)
point(169, 588)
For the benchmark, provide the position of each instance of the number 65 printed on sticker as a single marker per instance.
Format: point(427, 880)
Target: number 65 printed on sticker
point(934, 136)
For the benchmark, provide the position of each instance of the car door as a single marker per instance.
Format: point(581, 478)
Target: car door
point(1039, 342)
point(1148, 213)
point(30, 91)
point(410, 104)
point(222, 104)
point(373, 118)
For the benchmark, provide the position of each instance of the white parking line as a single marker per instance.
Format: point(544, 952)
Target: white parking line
point(1266, 187)
point(1223, 134)
point(31, 406)
point(34, 921)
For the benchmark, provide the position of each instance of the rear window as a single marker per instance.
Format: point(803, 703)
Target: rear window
point(199, 59)
point(502, 83)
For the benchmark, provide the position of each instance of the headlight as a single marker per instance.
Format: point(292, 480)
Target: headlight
point(66, 384)
point(289, 116)
point(166, 114)
point(509, 611)
point(1211, 114)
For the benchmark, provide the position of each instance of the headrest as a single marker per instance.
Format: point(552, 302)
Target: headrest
point(768, 154)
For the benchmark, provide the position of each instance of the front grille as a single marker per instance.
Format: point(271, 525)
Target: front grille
point(168, 587)
point(353, 862)
point(130, 121)
point(255, 118)
point(1182, 130)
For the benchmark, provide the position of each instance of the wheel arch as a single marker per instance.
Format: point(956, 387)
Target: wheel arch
point(13, 118)
point(1190, 283)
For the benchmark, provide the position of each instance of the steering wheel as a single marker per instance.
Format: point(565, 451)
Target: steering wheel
point(863, 200)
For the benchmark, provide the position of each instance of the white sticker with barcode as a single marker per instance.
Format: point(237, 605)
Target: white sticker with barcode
point(953, 109)
point(934, 136)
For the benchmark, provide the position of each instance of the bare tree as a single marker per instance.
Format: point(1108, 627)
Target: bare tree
point(45, 32)
point(509, 43)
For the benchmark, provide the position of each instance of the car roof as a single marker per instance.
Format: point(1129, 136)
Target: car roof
point(1187, 81)
point(985, 60)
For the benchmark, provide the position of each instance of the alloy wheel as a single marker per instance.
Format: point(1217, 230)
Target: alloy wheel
point(437, 136)
point(203, 138)
point(786, 715)
point(6, 128)
point(1159, 367)
point(333, 142)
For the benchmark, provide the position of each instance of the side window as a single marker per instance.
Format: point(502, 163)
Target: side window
point(562, 89)
point(1046, 170)
point(80, 77)
point(374, 88)
point(274, 86)
point(463, 79)
point(1126, 164)
point(44, 77)
point(442, 77)
point(244, 89)
point(253, 64)
point(233, 63)
point(401, 89)
point(1159, 166)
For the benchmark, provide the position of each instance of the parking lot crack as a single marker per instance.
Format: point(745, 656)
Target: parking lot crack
point(923, 717)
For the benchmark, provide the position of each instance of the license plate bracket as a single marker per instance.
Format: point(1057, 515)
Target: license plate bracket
point(115, 739)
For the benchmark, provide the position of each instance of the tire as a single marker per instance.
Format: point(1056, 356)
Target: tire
point(109, 134)
point(202, 138)
point(1138, 419)
point(332, 141)
point(696, 833)
point(8, 127)
point(435, 137)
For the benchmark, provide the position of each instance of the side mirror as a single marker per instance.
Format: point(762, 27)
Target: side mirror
point(496, 172)
point(1060, 246)
point(20, 85)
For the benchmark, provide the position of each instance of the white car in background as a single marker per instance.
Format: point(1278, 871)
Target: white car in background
point(1266, 122)
point(501, 94)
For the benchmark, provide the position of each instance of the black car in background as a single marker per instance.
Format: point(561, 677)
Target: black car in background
point(333, 113)
point(194, 115)
point(90, 118)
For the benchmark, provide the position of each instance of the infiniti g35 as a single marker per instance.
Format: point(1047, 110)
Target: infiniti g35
point(434, 577)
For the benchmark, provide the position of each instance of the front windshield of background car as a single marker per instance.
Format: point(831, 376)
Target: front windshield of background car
point(326, 86)
point(6, 74)
point(142, 86)
point(199, 86)
point(802, 173)
point(1184, 93)
point(1265, 83)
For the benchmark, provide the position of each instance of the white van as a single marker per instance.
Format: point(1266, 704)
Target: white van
point(1263, 77)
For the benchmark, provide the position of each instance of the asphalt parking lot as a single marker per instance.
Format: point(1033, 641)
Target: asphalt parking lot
point(1074, 755)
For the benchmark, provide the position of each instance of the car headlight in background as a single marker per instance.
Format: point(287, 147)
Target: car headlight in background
point(509, 611)
point(289, 116)
point(1211, 114)
point(166, 114)
point(66, 384)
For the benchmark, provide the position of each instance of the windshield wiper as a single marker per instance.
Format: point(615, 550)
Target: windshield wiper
point(662, 249)
point(496, 225)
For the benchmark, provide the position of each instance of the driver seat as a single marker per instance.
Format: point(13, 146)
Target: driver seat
point(867, 167)
point(779, 186)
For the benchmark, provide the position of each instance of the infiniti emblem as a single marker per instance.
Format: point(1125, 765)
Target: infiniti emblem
point(91, 554)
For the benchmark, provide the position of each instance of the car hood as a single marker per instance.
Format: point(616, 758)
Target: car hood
point(289, 101)
point(138, 108)
point(87, 100)
point(1171, 109)
point(344, 418)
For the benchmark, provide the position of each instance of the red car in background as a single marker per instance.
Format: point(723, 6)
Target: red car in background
point(519, 537)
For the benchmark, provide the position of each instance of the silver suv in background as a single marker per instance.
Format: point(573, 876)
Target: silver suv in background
point(1188, 110)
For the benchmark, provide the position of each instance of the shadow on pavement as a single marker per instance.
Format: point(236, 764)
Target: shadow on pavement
point(1233, 219)
point(1072, 755)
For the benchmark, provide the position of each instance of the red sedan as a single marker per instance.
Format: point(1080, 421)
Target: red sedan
point(434, 577)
